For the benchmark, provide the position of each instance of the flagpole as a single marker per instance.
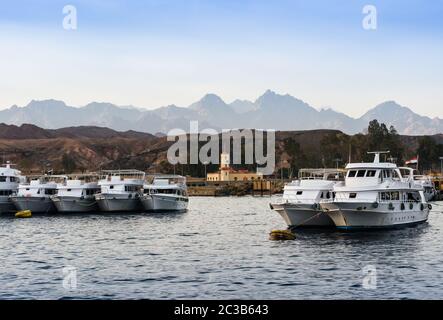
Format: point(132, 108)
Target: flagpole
point(418, 157)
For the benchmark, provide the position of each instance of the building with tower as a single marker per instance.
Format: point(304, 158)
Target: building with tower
point(226, 173)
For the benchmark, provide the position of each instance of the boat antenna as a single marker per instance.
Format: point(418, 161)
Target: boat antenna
point(350, 153)
point(377, 155)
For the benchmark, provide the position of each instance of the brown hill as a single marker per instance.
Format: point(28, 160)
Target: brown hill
point(30, 131)
point(34, 149)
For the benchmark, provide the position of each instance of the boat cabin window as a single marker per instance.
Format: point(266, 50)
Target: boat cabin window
point(352, 174)
point(131, 188)
point(299, 193)
point(352, 195)
point(2, 179)
point(361, 173)
point(328, 195)
point(69, 190)
point(111, 187)
point(13, 179)
point(50, 191)
point(413, 196)
point(167, 191)
point(5, 192)
point(387, 174)
point(388, 196)
point(90, 192)
point(371, 173)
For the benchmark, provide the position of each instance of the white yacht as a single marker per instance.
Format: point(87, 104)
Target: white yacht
point(9, 180)
point(165, 193)
point(375, 195)
point(36, 195)
point(425, 181)
point(77, 194)
point(300, 205)
point(120, 191)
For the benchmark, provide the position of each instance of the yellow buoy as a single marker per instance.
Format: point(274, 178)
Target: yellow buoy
point(280, 235)
point(24, 214)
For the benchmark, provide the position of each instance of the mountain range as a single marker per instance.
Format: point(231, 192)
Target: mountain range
point(269, 111)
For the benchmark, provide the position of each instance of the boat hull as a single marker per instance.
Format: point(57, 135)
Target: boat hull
point(158, 203)
point(6, 205)
point(116, 203)
point(303, 215)
point(349, 216)
point(75, 204)
point(35, 204)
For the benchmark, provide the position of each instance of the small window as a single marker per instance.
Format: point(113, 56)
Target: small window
point(328, 195)
point(321, 195)
point(69, 190)
point(352, 195)
point(352, 174)
point(371, 173)
point(361, 173)
point(2, 179)
point(299, 193)
point(111, 187)
point(395, 195)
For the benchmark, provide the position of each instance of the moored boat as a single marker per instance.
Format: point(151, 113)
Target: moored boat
point(426, 181)
point(77, 195)
point(376, 195)
point(165, 193)
point(10, 179)
point(36, 195)
point(120, 191)
point(300, 204)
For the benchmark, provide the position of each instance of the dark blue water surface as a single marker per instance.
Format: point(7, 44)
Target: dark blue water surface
point(219, 249)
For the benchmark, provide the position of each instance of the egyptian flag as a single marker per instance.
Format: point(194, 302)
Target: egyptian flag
point(412, 161)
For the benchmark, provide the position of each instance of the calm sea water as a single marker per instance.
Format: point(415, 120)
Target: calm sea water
point(219, 249)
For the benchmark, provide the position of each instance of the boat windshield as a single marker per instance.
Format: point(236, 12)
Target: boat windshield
point(322, 174)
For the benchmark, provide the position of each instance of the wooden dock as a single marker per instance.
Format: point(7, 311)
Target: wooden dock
point(438, 183)
point(203, 188)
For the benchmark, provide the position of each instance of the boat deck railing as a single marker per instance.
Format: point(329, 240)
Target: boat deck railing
point(124, 173)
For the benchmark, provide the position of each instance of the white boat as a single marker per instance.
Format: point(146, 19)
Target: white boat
point(9, 181)
point(77, 194)
point(300, 205)
point(36, 195)
point(426, 181)
point(165, 193)
point(375, 195)
point(120, 191)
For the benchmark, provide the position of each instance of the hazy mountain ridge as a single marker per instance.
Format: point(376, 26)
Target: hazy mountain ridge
point(269, 111)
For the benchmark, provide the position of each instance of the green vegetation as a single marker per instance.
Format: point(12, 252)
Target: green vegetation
point(429, 153)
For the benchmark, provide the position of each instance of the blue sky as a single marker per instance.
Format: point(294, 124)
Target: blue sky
point(160, 52)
